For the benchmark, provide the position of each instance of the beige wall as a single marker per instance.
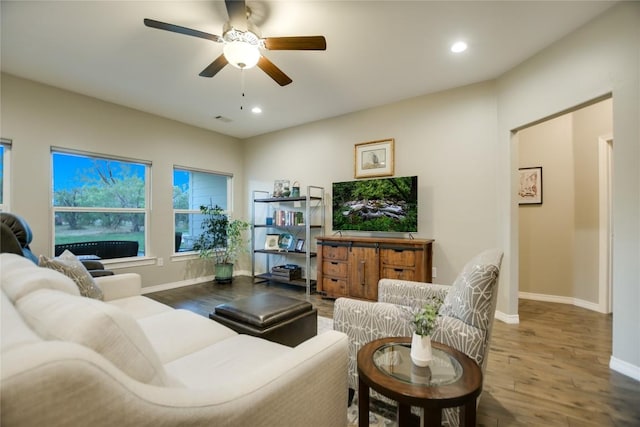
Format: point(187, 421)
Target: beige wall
point(559, 240)
point(447, 139)
point(37, 117)
point(547, 230)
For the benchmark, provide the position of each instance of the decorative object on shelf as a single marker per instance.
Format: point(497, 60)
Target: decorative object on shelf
point(221, 240)
point(374, 158)
point(281, 188)
point(300, 245)
point(286, 242)
point(530, 191)
point(287, 271)
point(425, 322)
point(295, 189)
point(271, 242)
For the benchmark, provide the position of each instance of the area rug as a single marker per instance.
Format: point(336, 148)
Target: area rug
point(326, 324)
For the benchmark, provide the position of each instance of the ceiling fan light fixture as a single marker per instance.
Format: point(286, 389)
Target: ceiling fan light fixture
point(241, 54)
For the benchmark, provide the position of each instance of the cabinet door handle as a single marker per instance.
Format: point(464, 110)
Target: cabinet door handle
point(361, 267)
point(398, 270)
point(334, 263)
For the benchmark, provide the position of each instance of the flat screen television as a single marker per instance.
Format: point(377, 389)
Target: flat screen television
point(381, 204)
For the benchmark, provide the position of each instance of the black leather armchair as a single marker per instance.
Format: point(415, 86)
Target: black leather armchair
point(16, 235)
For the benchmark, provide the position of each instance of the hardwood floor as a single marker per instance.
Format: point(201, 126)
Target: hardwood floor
point(549, 370)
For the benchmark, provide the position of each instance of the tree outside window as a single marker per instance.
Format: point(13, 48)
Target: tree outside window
point(99, 199)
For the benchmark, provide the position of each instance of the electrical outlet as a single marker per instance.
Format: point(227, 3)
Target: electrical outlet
point(433, 272)
point(160, 262)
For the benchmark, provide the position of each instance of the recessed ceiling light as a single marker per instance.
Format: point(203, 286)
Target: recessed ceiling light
point(458, 47)
point(256, 110)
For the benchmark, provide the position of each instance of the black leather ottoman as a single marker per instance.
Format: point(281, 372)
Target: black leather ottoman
point(273, 317)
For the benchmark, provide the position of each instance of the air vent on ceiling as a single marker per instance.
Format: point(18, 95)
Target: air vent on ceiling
point(224, 119)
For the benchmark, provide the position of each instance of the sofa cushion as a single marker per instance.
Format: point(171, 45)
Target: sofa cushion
point(140, 306)
point(176, 333)
point(19, 277)
point(231, 361)
point(13, 330)
point(94, 324)
point(70, 266)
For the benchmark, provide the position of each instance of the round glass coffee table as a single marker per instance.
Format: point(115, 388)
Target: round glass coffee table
point(451, 379)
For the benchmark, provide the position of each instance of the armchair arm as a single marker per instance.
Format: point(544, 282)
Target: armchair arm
point(119, 285)
point(365, 321)
point(408, 293)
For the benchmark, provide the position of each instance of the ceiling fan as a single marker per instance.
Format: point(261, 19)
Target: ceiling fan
point(242, 43)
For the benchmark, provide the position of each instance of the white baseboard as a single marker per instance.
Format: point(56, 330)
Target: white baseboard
point(174, 285)
point(625, 368)
point(513, 319)
point(561, 300)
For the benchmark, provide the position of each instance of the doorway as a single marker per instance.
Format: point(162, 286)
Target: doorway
point(565, 240)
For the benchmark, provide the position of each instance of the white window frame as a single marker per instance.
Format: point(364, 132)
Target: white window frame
point(229, 176)
point(6, 175)
point(146, 259)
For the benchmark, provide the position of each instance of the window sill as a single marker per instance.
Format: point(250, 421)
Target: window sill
point(114, 264)
point(184, 256)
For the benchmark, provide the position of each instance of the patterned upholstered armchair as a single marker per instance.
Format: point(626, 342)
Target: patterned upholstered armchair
point(464, 323)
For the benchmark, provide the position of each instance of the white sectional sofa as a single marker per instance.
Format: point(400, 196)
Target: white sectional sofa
point(69, 360)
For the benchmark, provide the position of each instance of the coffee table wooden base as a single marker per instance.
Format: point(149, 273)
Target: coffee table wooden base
point(432, 399)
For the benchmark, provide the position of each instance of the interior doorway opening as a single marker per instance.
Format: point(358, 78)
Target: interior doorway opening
point(564, 237)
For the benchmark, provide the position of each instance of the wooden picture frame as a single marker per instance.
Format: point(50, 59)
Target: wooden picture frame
point(374, 158)
point(530, 189)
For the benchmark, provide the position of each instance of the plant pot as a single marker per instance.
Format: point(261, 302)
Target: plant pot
point(421, 350)
point(224, 273)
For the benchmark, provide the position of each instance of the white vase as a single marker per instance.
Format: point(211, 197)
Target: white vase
point(421, 350)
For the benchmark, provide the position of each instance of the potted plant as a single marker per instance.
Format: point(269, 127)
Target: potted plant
point(221, 240)
point(425, 321)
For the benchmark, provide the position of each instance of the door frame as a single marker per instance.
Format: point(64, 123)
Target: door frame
point(605, 240)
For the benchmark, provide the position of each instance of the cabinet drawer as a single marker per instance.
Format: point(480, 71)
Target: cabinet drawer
point(399, 257)
point(338, 253)
point(333, 268)
point(398, 273)
point(334, 287)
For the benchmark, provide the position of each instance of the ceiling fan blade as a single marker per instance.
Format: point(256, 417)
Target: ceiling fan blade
point(182, 30)
point(296, 43)
point(237, 11)
point(213, 68)
point(274, 72)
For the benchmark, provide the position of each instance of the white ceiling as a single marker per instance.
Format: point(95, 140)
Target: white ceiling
point(377, 52)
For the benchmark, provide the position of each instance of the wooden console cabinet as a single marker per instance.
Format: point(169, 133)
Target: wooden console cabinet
point(351, 266)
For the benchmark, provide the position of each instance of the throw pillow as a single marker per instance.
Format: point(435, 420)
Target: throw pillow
point(102, 327)
point(70, 266)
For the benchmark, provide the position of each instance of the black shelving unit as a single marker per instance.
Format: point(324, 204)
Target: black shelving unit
point(311, 205)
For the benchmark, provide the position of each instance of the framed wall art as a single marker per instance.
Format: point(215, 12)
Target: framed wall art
point(530, 190)
point(374, 158)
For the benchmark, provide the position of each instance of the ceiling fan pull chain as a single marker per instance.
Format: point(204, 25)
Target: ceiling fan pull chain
point(242, 88)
